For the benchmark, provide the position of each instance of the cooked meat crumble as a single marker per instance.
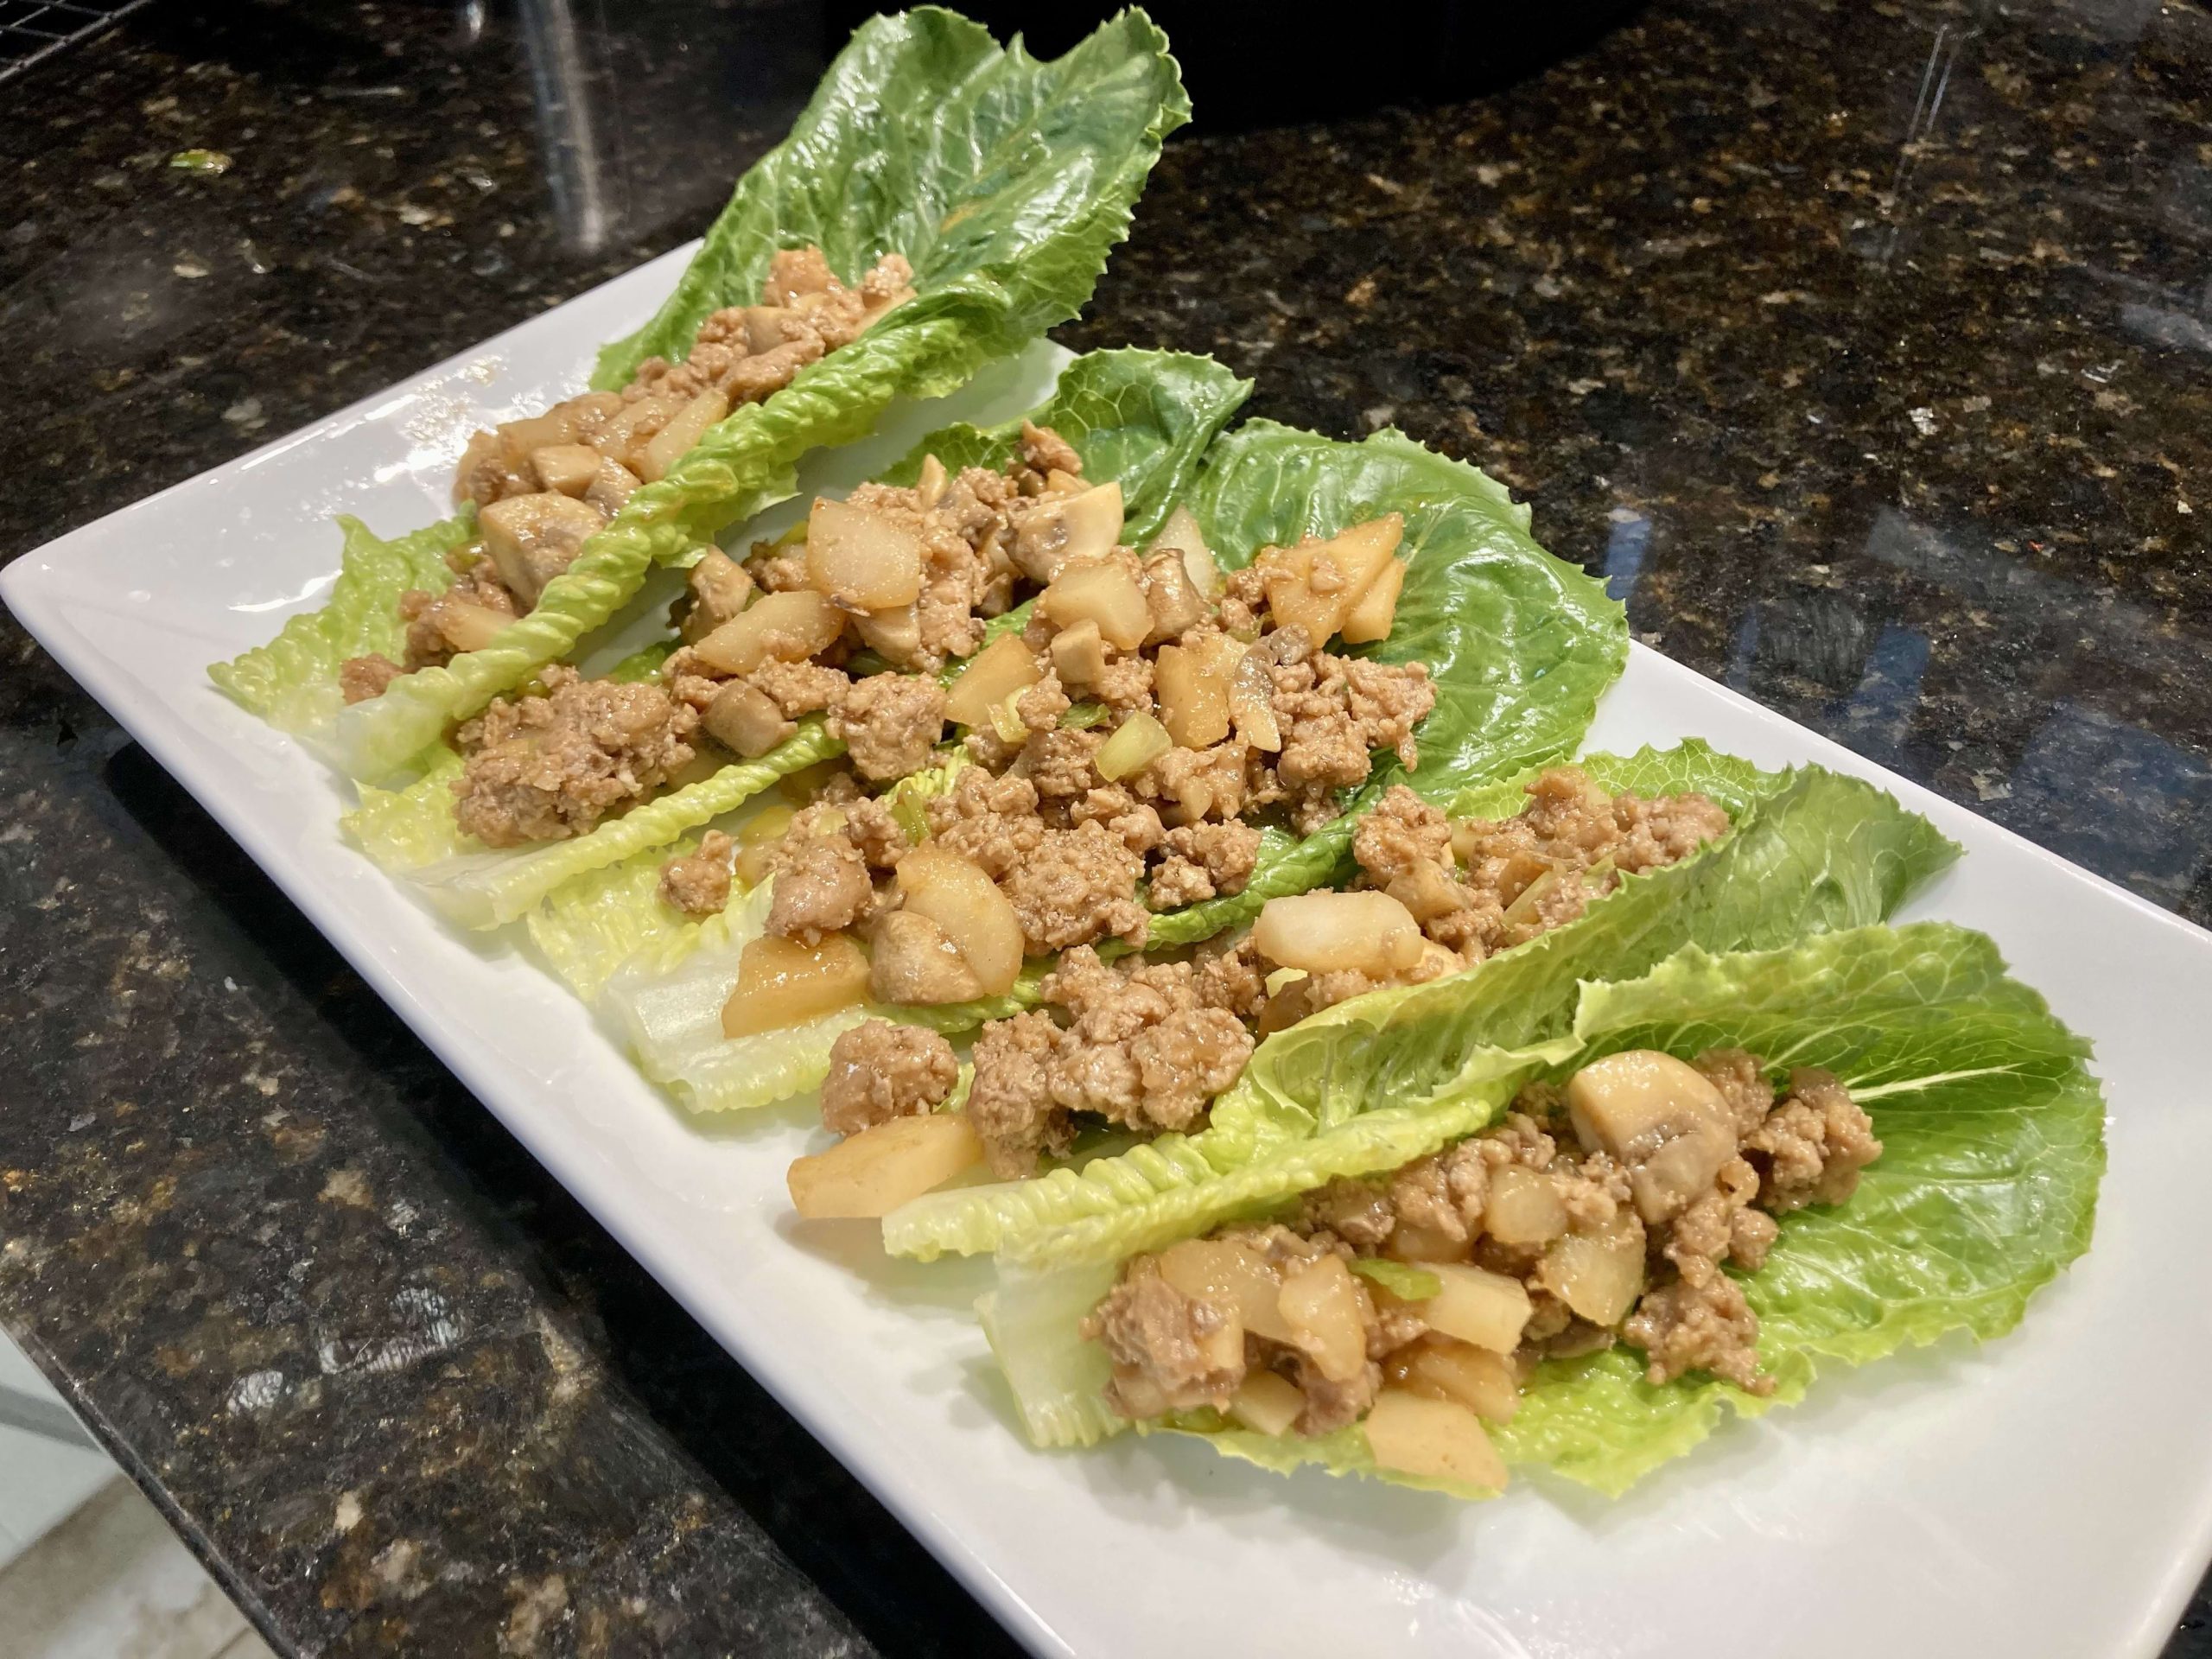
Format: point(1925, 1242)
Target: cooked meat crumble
point(545, 768)
point(698, 885)
point(1606, 1212)
point(878, 1070)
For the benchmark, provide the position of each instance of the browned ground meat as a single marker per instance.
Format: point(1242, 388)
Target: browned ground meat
point(880, 1071)
point(1075, 885)
point(545, 768)
point(441, 624)
point(1143, 1047)
point(822, 887)
point(750, 351)
point(1203, 859)
point(1807, 1148)
point(699, 884)
point(800, 688)
point(362, 677)
point(889, 723)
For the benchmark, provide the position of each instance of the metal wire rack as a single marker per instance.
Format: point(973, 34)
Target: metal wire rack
point(32, 29)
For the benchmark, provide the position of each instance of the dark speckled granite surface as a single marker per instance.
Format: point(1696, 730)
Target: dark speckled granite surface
point(1868, 347)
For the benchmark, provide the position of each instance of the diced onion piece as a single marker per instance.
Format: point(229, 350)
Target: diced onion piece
point(1252, 702)
point(1181, 534)
point(1136, 743)
point(1078, 653)
point(685, 428)
point(1481, 1381)
point(868, 1175)
point(779, 627)
point(1101, 591)
point(1007, 721)
point(1084, 524)
point(1371, 619)
point(782, 983)
point(861, 559)
point(1325, 1308)
point(470, 627)
point(968, 907)
point(1531, 899)
point(1523, 1207)
point(1265, 1403)
point(930, 486)
point(1316, 584)
point(744, 718)
point(1598, 1274)
point(1434, 1439)
point(1330, 932)
point(1478, 1306)
point(766, 826)
point(995, 673)
point(1227, 1275)
point(532, 538)
point(916, 964)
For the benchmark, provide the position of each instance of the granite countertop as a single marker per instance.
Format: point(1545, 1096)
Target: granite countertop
point(1866, 348)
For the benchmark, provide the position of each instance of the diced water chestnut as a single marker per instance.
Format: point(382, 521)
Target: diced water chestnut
point(1224, 1273)
point(1176, 604)
point(914, 963)
point(1316, 584)
point(1101, 591)
point(1600, 1273)
point(868, 1175)
point(470, 627)
point(931, 483)
point(720, 587)
point(782, 983)
point(994, 674)
point(1266, 1404)
point(1191, 685)
point(1180, 534)
point(1325, 1308)
point(1523, 1207)
point(859, 558)
point(1411, 1242)
point(1441, 1369)
point(1371, 619)
point(626, 433)
point(1478, 1306)
point(1064, 527)
point(1330, 932)
point(778, 627)
point(968, 907)
point(684, 429)
point(1434, 1439)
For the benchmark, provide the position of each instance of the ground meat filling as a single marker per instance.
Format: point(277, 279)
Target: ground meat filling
point(880, 1071)
point(544, 485)
point(698, 884)
point(1145, 1045)
point(543, 768)
point(1608, 1244)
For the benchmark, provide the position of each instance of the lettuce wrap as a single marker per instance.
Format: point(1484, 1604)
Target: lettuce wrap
point(1991, 1131)
point(1809, 851)
point(1004, 181)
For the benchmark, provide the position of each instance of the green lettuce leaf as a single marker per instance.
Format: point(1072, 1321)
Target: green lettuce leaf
point(1521, 645)
point(1810, 850)
point(409, 827)
point(292, 682)
point(1004, 181)
point(488, 887)
point(1993, 1148)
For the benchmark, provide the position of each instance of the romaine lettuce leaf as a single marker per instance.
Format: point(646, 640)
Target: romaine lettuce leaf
point(1811, 849)
point(1992, 1130)
point(1519, 643)
point(292, 682)
point(1004, 181)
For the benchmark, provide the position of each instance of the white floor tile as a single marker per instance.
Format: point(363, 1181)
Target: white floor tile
point(42, 1481)
point(112, 1582)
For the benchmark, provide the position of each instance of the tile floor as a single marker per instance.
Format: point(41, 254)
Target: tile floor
point(88, 1568)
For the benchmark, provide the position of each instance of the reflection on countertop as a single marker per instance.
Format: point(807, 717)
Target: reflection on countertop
point(1866, 349)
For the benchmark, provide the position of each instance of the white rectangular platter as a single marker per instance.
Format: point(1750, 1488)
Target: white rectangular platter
point(2049, 1495)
